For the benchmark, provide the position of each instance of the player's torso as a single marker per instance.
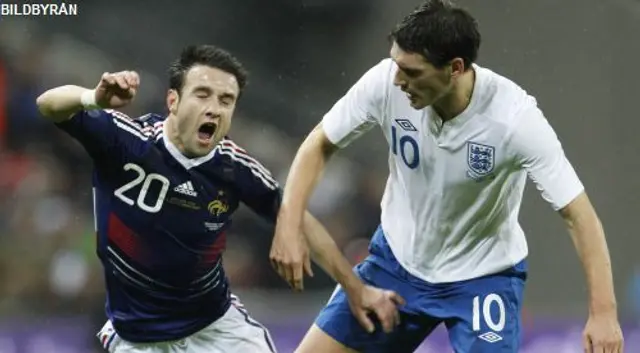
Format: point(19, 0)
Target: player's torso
point(451, 184)
point(452, 161)
point(168, 219)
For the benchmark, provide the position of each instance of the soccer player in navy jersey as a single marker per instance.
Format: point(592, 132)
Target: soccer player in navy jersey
point(164, 192)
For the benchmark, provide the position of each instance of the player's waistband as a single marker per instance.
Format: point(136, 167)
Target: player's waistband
point(382, 255)
point(136, 327)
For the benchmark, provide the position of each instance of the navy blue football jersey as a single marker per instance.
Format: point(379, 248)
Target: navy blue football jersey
point(161, 220)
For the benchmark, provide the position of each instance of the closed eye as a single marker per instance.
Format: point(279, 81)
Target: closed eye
point(411, 73)
point(227, 99)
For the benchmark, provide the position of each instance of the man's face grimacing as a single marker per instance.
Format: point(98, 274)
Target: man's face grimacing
point(423, 83)
point(204, 108)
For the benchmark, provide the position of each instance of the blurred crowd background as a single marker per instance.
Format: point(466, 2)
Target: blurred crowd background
point(576, 57)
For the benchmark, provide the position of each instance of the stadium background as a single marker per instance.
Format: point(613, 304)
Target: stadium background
point(574, 56)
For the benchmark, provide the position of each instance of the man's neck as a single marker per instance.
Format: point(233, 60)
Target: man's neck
point(173, 135)
point(454, 103)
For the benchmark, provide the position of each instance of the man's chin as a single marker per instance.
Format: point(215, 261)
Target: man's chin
point(199, 150)
point(418, 104)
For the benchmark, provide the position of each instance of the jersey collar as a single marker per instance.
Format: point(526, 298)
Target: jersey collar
point(186, 162)
point(469, 111)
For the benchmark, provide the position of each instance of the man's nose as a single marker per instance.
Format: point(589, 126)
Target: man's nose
point(398, 80)
point(213, 111)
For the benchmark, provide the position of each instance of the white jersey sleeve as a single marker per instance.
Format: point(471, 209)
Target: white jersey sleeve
point(540, 153)
point(360, 108)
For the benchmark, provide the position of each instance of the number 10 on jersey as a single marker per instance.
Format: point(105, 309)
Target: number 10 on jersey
point(408, 148)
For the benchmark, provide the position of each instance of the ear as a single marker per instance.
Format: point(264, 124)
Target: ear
point(173, 98)
point(457, 67)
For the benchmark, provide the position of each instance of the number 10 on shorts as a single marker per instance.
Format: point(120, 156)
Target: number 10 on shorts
point(482, 311)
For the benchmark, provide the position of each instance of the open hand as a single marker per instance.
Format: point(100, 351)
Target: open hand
point(290, 258)
point(602, 334)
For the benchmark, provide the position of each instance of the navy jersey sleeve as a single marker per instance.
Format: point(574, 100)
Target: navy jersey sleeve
point(258, 189)
point(103, 133)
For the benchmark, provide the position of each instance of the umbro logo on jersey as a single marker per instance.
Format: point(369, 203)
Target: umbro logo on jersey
point(490, 337)
point(406, 125)
point(186, 188)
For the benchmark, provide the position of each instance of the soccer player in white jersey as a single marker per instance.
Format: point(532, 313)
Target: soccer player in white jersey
point(165, 190)
point(462, 141)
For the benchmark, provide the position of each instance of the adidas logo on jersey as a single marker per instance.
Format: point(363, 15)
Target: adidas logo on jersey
point(186, 188)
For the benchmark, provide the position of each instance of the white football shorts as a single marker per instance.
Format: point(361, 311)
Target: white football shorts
point(234, 332)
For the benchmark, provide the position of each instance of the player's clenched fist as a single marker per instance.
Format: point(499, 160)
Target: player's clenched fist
point(116, 90)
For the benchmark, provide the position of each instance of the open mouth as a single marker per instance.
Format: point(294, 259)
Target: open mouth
point(206, 131)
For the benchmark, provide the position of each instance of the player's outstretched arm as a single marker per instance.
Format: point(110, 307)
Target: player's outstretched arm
point(363, 299)
point(538, 150)
point(289, 252)
point(114, 90)
point(602, 332)
point(306, 170)
point(352, 115)
point(61, 103)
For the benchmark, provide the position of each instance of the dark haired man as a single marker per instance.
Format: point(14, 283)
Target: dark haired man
point(462, 141)
point(164, 193)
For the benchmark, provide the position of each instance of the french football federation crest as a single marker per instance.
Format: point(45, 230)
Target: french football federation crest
point(480, 158)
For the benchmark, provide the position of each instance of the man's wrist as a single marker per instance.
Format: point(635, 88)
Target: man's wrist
point(88, 100)
point(600, 308)
point(352, 284)
point(288, 219)
point(602, 304)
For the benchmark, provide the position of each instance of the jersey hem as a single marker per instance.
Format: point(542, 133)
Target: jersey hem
point(169, 338)
point(569, 200)
point(412, 271)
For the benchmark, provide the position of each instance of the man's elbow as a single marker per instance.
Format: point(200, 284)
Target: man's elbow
point(49, 108)
point(44, 105)
point(60, 103)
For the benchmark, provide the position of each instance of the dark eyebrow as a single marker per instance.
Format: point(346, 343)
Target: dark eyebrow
point(410, 70)
point(202, 89)
point(404, 68)
point(209, 90)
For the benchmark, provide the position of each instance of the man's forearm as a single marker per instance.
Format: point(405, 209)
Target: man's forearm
point(307, 168)
point(590, 242)
point(58, 104)
point(327, 255)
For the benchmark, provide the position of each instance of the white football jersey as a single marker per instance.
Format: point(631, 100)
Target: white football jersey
point(451, 203)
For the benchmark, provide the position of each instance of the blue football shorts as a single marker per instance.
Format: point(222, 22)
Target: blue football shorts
point(481, 315)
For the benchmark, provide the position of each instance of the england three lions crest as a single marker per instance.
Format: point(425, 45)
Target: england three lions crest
point(480, 159)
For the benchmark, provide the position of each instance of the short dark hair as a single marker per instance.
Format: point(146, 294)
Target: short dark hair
point(208, 55)
point(441, 32)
